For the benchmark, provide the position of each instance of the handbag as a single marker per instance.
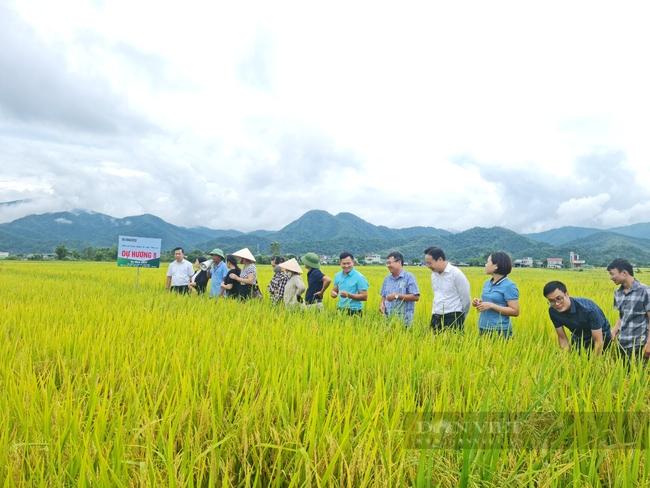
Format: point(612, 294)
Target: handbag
point(256, 292)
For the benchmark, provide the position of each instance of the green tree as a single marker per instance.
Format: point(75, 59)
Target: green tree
point(61, 252)
point(89, 254)
point(275, 248)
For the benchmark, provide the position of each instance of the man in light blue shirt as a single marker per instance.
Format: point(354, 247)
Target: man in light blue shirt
point(217, 272)
point(350, 286)
point(399, 292)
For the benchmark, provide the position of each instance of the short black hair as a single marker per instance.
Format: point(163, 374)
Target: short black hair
point(503, 262)
point(344, 255)
point(278, 259)
point(436, 253)
point(621, 265)
point(202, 258)
point(397, 256)
point(179, 249)
point(551, 286)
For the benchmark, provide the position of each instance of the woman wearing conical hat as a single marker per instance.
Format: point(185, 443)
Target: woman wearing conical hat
point(294, 288)
point(248, 277)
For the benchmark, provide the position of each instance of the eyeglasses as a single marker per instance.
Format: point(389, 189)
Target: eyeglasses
point(556, 301)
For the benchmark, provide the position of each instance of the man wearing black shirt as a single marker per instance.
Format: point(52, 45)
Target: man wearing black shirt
point(317, 282)
point(586, 321)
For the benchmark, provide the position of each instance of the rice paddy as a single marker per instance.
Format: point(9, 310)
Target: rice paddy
point(107, 381)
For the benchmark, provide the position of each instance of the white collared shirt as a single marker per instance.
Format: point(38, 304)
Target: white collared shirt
point(180, 273)
point(450, 291)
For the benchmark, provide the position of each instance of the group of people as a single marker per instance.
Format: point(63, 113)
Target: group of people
point(498, 303)
point(233, 275)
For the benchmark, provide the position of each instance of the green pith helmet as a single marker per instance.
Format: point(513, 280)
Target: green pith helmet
point(311, 259)
point(217, 252)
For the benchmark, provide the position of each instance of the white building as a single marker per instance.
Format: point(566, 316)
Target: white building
point(372, 259)
point(524, 263)
point(554, 263)
point(575, 261)
point(4, 255)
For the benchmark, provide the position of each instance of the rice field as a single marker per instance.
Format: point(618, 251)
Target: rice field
point(109, 382)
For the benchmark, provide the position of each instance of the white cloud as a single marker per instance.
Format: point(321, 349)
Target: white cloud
point(639, 212)
point(582, 209)
point(450, 114)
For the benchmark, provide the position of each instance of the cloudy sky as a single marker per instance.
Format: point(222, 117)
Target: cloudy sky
point(529, 115)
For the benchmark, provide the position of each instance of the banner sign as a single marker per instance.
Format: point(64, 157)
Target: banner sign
point(138, 252)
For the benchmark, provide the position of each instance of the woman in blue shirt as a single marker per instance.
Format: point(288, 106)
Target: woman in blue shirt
point(500, 297)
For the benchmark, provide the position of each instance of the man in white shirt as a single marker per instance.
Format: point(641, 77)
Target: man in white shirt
point(179, 273)
point(451, 295)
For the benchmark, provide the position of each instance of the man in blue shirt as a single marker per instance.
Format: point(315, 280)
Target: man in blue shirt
point(399, 292)
point(217, 272)
point(586, 321)
point(350, 286)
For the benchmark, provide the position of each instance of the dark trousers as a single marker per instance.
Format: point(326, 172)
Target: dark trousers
point(588, 345)
point(180, 289)
point(451, 321)
point(630, 354)
point(347, 311)
point(496, 333)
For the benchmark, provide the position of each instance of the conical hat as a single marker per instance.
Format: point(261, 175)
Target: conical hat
point(291, 265)
point(244, 254)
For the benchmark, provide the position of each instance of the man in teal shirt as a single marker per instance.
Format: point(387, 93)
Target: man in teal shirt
point(350, 286)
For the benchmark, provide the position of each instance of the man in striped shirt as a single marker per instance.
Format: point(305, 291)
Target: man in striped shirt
point(632, 300)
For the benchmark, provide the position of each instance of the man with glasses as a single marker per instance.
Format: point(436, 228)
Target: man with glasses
point(586, 321)
point(399, 292)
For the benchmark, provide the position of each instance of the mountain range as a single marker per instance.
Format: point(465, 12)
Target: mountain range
point(329, 234)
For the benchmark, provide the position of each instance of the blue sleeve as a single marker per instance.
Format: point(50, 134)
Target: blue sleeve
point(382, 292)
point(511, 292)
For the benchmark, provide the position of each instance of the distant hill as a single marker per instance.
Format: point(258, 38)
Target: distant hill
point(325, 233)
point(601, 248)
point(562, 235)
point(641, 231)
point(318, 225)
point(79, 229)
point(565, 235)
point(330, 234)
